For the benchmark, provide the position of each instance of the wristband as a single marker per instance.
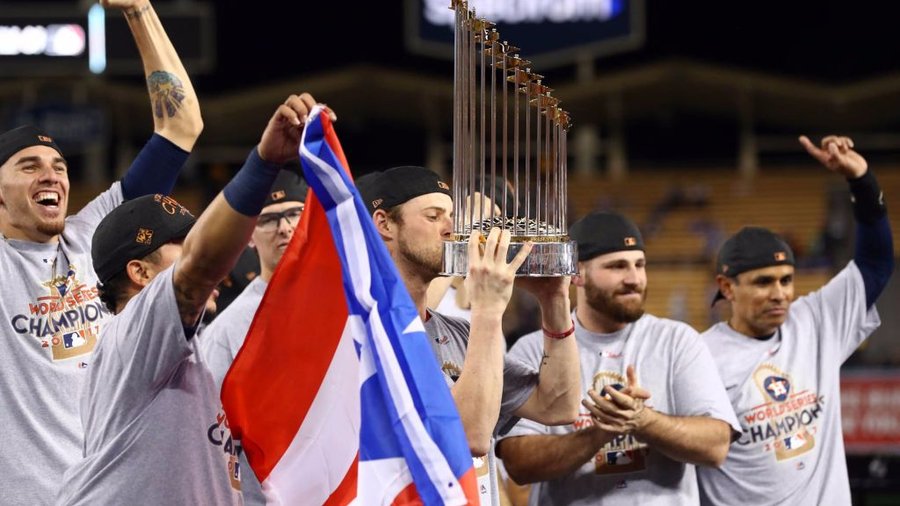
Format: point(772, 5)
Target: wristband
point(247, 191)
point(559, 335)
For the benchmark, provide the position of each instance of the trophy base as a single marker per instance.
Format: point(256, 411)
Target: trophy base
point(545, 260)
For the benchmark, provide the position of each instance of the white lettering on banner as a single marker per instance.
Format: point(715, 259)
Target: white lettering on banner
point(523, 11)
point(870, 407)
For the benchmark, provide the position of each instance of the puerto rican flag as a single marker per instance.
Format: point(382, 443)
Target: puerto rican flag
point(336, 394)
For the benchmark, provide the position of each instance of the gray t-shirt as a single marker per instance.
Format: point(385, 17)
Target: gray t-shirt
point(50, 320)
point(155, 432)
point(786, 393)
point(672, 363)
point(449, 339)
point(219, 344)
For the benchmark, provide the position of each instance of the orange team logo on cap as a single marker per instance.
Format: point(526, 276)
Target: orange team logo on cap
point(144, 236)
point(630, 241)
point(780, 256)
point(171, 205)
point(278, 195)
point(444, 186)
point(44, 138)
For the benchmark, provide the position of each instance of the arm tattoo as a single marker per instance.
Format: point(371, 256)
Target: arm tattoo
point(166, 93)
point(138, 12)
point(189, 308)
point(545, 359)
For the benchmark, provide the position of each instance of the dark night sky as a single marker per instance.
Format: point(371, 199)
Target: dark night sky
point(825, 40)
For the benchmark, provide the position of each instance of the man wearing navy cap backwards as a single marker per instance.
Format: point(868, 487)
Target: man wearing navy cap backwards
point(624, 448)
point(50, 315)
point(411, 207)
point(780, 358)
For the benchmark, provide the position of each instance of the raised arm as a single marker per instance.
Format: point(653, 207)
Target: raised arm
point(223, 230)
point(874, 252)
point(176, 110)
point(555, 400)
point(478, 390)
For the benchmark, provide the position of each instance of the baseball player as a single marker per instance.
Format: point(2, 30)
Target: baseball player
point(634, 442)
point(50, 310)
point(411, 208)
point(150, 406)
point(780, 358)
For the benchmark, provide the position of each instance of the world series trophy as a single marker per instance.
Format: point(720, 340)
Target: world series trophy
point(506, 124)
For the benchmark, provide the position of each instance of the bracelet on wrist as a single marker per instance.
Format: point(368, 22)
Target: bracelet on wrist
point(559, 335)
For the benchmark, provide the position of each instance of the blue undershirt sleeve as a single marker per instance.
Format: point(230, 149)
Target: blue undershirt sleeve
point(874, 256)
point(155, 169)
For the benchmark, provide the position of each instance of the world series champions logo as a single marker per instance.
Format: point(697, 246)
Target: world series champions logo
point(787, 416)
point(66, 320)
point(624, 454)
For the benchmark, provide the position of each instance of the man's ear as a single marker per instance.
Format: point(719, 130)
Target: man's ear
point(726, 286)
point(383, 224)
point(138, 272)
point(578, 278)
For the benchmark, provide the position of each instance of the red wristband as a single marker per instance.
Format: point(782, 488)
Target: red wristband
point(560, 335)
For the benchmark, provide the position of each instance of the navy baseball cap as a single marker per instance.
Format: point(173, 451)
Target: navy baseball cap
point(135, 229)
point(17, 139)
point(600, 233)
point(384, 190)
point(751, 248)
point(288, 187)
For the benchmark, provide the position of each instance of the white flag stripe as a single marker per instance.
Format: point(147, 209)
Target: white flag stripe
point(327, 442)
point(381, 480)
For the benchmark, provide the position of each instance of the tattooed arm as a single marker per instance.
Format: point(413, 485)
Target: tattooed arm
point(176, 110)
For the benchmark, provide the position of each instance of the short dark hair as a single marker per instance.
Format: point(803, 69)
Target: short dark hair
point(395, 214)
point(112, 292)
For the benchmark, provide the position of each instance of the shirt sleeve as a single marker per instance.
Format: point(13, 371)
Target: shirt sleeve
point(149, 340)
point(90, 215)
point(698, 389)
point(525, 427)
point(839, 311)
point(521, 367)
point(215, 350)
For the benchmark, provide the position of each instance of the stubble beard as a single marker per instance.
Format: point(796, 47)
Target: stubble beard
point(52, 228)
point(605, 303)
point(427, 262)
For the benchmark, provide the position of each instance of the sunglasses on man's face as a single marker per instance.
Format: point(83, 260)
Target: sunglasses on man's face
point(268, 222)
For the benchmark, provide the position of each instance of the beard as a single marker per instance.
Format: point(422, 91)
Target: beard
point(427, 261)
point(52, 228)
point(606, 304)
